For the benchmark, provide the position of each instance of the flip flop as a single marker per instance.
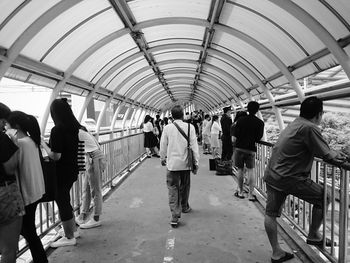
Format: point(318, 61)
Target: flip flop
point(319, 243)
point(236, 194)
point(287, 256)
point(253, 199)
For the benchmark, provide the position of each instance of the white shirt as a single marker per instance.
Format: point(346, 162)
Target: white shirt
point(215, 128)
point(206, 127)
point(30, 172)
point(173, 146)
point(89, 141)
point(148, 127)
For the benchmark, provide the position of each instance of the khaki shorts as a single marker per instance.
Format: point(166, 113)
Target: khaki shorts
point(11, 203)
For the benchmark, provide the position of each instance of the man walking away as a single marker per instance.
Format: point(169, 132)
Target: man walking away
point(173, 154)
point(248, 131)
point(288, 172)
point(226, 122)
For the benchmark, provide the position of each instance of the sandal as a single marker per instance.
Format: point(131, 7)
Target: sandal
point(287, 256)
point(319, 243)
point(236, 194)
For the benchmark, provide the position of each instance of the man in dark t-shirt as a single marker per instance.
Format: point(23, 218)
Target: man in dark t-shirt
point(288, 172)
point(248, 131)
point(226, 122)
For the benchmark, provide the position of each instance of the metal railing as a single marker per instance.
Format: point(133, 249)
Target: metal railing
point(298, 212)
point(121, 154)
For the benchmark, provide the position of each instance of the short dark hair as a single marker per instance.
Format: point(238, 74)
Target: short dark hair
point(310, 107)
point(177, 112)
point(240, 114)
point(253, 107)
point(4, 111)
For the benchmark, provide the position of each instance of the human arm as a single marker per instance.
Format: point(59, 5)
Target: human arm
point(163, 146)
point(52, 155)
point(195, 148)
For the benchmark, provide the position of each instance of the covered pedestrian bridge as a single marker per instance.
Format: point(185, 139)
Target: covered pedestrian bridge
point(138, 57)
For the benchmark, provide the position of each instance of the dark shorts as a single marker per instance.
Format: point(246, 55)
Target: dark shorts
point(244, 157)
point(305, 189)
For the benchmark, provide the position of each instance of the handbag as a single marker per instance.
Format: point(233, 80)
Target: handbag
point(223, 167)
point(190, 158)
point(50, 179)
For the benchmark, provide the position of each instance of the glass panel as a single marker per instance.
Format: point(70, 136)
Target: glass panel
point(342, 7)
point(175, 41)
point(121, 90)
point(177, 31)
point(144, 10)
point(178, 66)
point(289, 23)
point(72, 46)
point(22, 20)
point(117, 78)
point(168, 55)
point(105, 58)
point(232, 69)
point(325, 17)
point(249, 53)
point(263, 31)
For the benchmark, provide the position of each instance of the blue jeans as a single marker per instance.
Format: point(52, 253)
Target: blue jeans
point(178, 183)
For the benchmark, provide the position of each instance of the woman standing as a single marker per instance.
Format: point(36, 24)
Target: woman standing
point(91, 181)
point(215, 133)
point(150, 142)
point(30, 177)
point(64, 150)
point(11, 203)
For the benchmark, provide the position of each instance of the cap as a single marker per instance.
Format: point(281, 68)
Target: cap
point(226, 109)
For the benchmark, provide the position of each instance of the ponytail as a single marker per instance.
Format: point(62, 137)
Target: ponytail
point(27, 124)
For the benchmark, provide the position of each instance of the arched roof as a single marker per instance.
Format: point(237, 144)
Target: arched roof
point(154, 53)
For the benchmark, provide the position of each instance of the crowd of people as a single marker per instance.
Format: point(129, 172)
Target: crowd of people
point(174, 140)
point(22, 184)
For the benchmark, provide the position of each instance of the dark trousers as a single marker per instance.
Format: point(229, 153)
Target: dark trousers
point(29, 233)
point(227, 149)
point(179, 183)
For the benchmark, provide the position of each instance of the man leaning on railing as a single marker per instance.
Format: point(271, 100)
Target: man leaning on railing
point(288, 172)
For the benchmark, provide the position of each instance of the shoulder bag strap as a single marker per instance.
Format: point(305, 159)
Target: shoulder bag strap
point(182, 132)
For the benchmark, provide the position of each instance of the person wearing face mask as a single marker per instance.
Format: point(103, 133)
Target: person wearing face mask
point(11, 203)
point(30, 177)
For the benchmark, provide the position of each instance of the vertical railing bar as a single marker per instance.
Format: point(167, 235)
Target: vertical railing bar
point(332, 209)
point(343, 220)
point(324, 205)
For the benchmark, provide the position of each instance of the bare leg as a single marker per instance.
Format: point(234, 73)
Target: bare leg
point(271, 231)
point(9, 236)
point(251, 181)
point(316, 221)
point(240, 180)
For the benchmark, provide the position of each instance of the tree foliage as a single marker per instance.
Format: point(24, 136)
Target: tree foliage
point(335, 128)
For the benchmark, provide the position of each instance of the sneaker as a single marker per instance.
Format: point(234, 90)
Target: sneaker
point(80, 220)
point(174, 222)
point(90, 224)
point(62, 242)
point(61, 233)
point(187, 210)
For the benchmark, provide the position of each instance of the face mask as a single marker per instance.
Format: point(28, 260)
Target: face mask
point(11, 132)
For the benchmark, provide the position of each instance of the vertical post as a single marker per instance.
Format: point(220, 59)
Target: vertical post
point(344, 217)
